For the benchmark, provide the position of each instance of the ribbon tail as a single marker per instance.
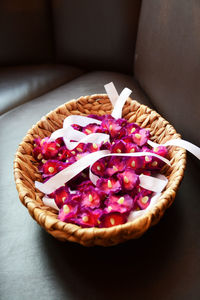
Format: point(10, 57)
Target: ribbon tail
point(179, 143)
point(112, 93)
point(117, 111)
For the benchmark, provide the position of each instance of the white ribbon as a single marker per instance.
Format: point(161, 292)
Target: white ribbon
point(96, 138)
point(154, 200)
point(117, 111)
point(180, 143)
point(68, 133)
point(117, 101)
point(67, 174)
point(112, 93)
point(49, 202)
point(79, 120)
point(153, 183)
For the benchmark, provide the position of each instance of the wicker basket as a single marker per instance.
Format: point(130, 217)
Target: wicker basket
point(26, 172)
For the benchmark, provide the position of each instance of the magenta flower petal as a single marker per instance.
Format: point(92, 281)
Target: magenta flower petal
point(160, 150)
point(68, 212)
point(132, 128)
point(151, 162)
point(62, 165)
point(44, 141)
point(109, 185)
point(129, 179)
point(121, 204)
point(146, 149)
point(91, 128)
point(63, 153)
point(115, 165)
point(112, 219)
point(127, 139)
point(147, 161)
point(135, 163)
point(74, 198)
point(155, 164)
point(78, 179)
point(79, 148)
point(143, 191)
point(100, 118)
point(61, 195)
point(91, 198)
point(107, 120)
point(92, 147)
point(143, 200)
point(85, 185)
point(111, 126)
point(76, 127)
point(105, 146)
point(37, 142)
point(131, 148)
point(80, 155)
point(122, 122)
point(37, 153)
point(70, 160)
point(50, 168)
point(89, 218)
point(140, 138)
point(99, 167)
point(49, 149)
point(114, 130)
point(146, 172)
point(60, 142)
point(118, 147)
point(121, 134)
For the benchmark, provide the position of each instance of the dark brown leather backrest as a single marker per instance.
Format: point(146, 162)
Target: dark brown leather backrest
point(25, 31)
point(96, 34)
point(167, 61)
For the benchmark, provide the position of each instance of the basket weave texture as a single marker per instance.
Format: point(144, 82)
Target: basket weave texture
point(26, 171)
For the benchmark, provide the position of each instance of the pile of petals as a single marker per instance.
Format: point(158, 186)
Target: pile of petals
point(117, 191)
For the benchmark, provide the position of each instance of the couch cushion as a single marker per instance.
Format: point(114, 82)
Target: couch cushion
point(167, 61)
point(22, 83)
point(26, 32)
point(165, 259)
point(87, 84)
point(96, 34)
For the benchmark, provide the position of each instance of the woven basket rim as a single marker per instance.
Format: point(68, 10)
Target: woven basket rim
point(75, 230)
